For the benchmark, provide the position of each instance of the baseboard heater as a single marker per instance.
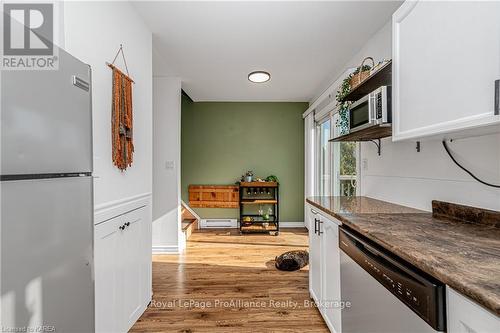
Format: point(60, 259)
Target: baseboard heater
point(218, 223)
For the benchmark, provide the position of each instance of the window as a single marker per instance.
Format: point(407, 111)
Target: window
point(337, 163)
point(345, 157)
point(324, 179)
point(347, 169)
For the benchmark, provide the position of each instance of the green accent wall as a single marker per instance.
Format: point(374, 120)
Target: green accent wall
point(222, 140)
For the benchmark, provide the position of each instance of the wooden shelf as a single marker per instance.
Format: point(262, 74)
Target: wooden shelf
point(260, 228)
point(259, 222)
point(258, 201)
point(259, 219)
point(367, 134)
point(381, 77)
point(258, 184)
point(248, 204)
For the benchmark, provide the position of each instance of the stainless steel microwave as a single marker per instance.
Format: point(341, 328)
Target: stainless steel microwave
point(371, 110)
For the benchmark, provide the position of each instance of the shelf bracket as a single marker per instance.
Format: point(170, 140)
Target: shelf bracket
point(378, 144)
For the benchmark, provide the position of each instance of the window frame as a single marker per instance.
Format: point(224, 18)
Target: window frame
point(317, 148)
point(333, 151)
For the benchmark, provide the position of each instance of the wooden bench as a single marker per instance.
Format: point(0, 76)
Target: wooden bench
point(214, 196)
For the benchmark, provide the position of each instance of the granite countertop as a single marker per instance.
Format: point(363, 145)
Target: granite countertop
point(460, 247)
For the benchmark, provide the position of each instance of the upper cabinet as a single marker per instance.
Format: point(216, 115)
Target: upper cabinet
point(446, 59)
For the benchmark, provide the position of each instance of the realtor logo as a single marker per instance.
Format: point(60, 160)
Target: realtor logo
point(28, 34)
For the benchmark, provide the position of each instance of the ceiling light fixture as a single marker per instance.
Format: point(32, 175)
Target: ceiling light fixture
point(259, 77)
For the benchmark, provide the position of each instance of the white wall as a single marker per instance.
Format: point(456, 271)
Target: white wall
point(93, 33)
point(166, 164)
point(402, 175)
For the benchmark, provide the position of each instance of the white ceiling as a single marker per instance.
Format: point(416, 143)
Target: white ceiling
point(213, 46)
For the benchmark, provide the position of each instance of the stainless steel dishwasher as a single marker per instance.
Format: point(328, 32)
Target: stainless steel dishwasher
point(386, 294)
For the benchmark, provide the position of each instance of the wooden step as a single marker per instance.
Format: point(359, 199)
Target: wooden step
point(188, 226)
point(187, 222)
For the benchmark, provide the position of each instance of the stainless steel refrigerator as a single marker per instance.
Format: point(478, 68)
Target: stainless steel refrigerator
point(46, 198)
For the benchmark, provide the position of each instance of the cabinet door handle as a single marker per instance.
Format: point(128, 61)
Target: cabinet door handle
point(315, 226)
point(127, 224)
point(122, 227)
point(319, 227)
point(497, 98)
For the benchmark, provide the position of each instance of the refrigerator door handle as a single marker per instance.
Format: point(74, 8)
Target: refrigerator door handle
point(80, 83)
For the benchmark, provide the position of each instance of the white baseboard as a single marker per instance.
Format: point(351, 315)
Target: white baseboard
point(171, 249)
point(292, 225)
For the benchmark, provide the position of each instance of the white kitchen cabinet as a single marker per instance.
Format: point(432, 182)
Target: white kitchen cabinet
point(122, 257)
point(330, 256)
point(445, 64)
point(131, 250)
point(315, 268)
point(107, 259)
point(324, 267)
point(465, 316)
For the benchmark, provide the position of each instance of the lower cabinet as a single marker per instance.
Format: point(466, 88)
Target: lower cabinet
point(122, 257)
point(324, 267)
point(465, 316)
point(315, 268)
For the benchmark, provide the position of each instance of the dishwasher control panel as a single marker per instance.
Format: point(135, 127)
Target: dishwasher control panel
point(419, 291)
point(404, 288)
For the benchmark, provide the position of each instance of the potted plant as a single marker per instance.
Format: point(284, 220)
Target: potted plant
point(272, 178)
point(249, 176)
point(342, 122)
point(349, 83)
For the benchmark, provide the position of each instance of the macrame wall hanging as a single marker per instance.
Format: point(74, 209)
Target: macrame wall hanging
point(121, 116)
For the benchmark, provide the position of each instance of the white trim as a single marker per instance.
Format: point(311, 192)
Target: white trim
point(181, 237)
point(292, 224)
point(110, 209)
point(170, 249)
point(139, 313)
point(398, 16)
point(309, 155)
point(329, 92)
point(324, 114)
point(476, 125)
point(317, 162)
point(326, 111)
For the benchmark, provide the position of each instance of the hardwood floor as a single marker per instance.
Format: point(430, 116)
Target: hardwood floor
point(225, 282)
